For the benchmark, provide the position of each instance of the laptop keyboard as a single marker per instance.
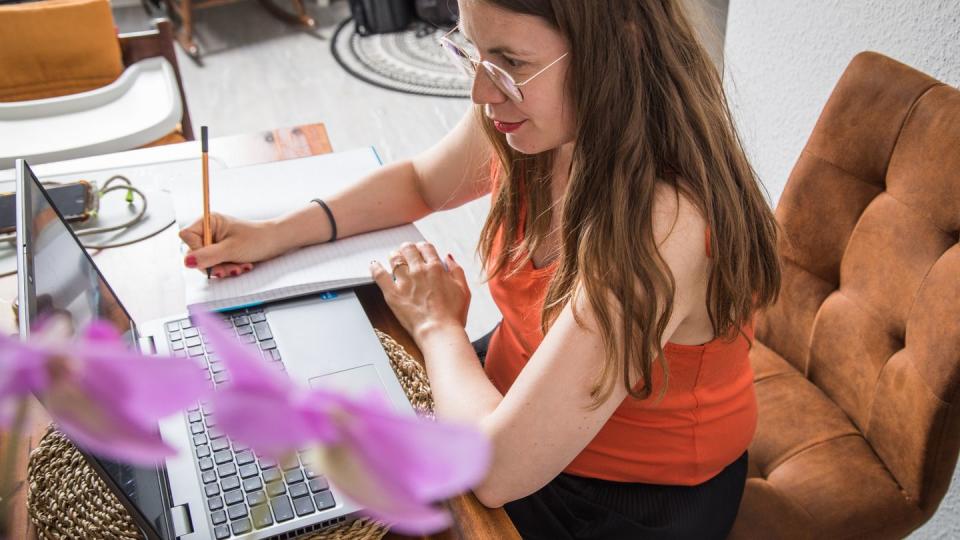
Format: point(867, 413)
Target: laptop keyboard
point(243, 491)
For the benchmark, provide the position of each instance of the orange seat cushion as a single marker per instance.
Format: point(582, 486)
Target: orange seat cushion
point(57, 47)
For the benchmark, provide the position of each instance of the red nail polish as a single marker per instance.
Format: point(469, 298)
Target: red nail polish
point(234, 272)
point(217, 275)
point(190, 261)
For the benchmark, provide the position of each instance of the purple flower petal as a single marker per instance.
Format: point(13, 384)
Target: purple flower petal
point(259, 406)
point(22, 368)
point(393, 464)
point(126, 444)
point(92, 425)
point(246, 366)
point(102, 332)
point(105, 397)
point(432, 460)
point(384, 501)
point(145, 388)
point(22, 372)
point(413, 520)
point(267, 425)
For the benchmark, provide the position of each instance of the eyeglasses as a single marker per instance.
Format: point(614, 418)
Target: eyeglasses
point(503, 80)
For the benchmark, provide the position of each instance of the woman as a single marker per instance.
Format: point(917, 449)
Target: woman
point(627, 246)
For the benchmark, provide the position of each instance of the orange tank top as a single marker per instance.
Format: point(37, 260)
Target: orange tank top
point(704, 422)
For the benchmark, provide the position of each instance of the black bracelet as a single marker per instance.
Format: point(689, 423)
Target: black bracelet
point(333, 222)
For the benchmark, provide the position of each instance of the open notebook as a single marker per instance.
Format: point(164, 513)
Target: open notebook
point(272, 189)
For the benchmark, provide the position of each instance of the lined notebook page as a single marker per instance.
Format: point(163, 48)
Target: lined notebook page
point(272, 189)
point(267, 190)
point(344, 263)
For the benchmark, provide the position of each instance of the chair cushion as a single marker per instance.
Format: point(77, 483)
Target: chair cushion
point(57, 47)
point(804, 461)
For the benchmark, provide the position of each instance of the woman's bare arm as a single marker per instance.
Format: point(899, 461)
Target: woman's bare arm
point(451, 173)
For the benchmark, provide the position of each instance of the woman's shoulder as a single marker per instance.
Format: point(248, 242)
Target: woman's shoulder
point(680, 231)
point(678, 223)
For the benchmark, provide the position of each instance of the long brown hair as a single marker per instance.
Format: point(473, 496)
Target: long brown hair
point(649, 107)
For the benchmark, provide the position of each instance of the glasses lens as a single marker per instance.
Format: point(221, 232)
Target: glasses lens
point(504, 81)
point(459, 57)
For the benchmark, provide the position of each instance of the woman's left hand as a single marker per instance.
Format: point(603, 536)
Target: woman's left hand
point(422, 292)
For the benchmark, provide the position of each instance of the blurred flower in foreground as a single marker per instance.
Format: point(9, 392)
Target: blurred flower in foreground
point(394, 465)
point(103, 396)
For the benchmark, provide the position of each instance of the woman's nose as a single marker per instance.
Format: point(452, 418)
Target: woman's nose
point(484, 91)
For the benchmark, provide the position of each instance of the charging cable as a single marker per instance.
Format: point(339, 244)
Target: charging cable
point(124, 185)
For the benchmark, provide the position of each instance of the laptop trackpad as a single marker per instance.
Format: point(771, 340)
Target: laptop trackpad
point(359, 381)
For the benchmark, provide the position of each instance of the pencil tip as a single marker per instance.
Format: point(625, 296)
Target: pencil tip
point(208, 273)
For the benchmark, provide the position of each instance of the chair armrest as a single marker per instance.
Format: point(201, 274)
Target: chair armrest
point(136, 46)
point(139, 107)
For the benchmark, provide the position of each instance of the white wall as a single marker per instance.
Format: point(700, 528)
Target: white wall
point(782, 59)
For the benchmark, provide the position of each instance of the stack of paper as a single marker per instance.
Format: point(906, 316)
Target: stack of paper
point(272, 189)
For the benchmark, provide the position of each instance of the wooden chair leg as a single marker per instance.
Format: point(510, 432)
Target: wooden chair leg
point(183, 9)
point(185, 36)
point(300, 17)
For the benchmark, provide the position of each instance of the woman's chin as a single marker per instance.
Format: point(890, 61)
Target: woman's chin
point(524, 145)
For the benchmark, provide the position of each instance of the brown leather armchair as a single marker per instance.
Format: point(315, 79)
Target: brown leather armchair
point(858, 364)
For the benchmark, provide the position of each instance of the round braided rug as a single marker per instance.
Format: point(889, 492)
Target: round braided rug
point(66, 499)
point(410, 61)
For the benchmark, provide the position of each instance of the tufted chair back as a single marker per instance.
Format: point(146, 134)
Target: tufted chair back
point(857, 366)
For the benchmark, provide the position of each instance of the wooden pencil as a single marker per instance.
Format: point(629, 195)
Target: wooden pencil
point(207, 228)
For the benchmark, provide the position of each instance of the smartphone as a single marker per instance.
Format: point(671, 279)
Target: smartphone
point(77, 201)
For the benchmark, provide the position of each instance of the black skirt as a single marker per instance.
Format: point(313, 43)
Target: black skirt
point(574, 507)
point(586, 508)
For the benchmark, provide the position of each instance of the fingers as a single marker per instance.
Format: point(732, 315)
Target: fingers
point(419, 256)
point(205, 257)
point(398, 265)
point(396, 258)
point(200, 256)
point(412, 255)
point(192, 236)
point(429, 254)
point(456, 271)
point(381, 276)
point(411, 258)
point(230, 269)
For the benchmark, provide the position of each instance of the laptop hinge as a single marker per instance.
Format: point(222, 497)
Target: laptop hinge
point(182, 524)
point(147, 345)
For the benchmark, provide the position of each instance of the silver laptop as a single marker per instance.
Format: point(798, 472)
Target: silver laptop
point(213, 488)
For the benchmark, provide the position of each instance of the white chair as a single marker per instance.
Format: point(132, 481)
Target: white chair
point(141, 106)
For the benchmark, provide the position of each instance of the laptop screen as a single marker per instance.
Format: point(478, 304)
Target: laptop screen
point(65, 281)
point(57, 276)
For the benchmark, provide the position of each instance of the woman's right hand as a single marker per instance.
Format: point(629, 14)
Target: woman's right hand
point(237, 244)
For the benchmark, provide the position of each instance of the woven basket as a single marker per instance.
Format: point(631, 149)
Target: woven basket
point(67, 499)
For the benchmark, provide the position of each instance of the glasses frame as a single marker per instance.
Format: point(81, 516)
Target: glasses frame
point(494, 72)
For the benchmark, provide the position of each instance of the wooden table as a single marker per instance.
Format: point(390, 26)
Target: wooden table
point(156, 261)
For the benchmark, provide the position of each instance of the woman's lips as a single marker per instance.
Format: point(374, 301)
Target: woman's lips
point(507, 127)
